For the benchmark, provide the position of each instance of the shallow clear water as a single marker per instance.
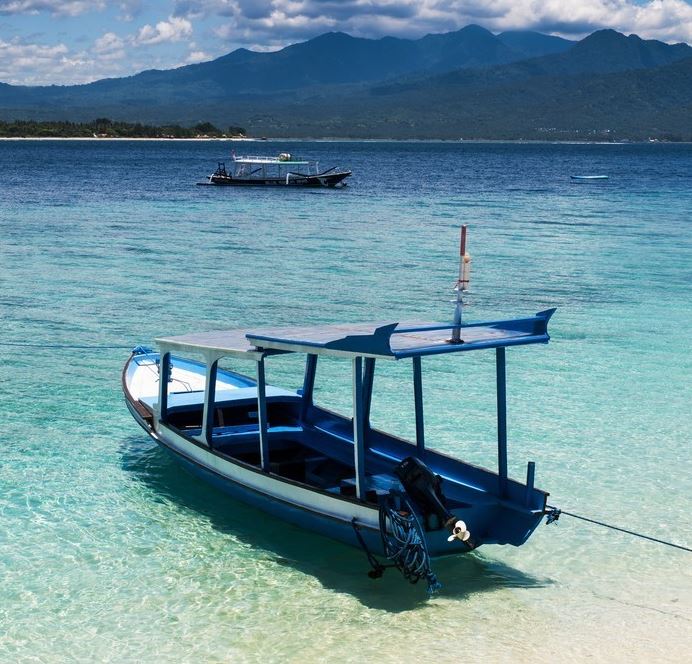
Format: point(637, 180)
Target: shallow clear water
point(109, 552)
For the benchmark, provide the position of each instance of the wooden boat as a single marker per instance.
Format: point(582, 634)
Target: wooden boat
point(283, 170)
point(334, 473)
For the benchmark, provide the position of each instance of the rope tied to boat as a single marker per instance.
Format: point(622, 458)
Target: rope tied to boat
point(404, 541)
point(554, 513)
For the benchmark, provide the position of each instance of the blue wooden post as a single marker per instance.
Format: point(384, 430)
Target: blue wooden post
point(308, 385)
point(358, 427)
point(209, 398)
point(418, 404)
point(164, 377)
point(368, 378)
point(262, 415)
point(530, 477)
point(501, 419)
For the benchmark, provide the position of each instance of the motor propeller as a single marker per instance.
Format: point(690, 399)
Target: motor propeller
point(459, 532)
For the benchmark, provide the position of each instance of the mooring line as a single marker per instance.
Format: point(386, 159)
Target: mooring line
point(555, 513)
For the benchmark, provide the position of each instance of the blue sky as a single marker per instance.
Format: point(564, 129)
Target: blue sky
point(76, 41)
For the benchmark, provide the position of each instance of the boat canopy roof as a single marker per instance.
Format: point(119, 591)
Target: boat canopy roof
point(271, 160)
point(380, 340)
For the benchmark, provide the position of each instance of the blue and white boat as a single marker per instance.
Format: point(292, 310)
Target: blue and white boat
point(334, 473)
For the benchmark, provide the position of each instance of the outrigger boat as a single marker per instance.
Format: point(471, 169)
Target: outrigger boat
point(335, 474)
point(282, 170)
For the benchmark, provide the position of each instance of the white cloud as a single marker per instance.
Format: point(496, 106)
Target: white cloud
point(27, 63)
point(175, 29)
point(260, 22)
point(108, 42)
point(109, 47)
point(272, 24)
point(55, 7)
point(37, 64)
point(197, 56)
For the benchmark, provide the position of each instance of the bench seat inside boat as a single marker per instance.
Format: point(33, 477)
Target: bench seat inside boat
point(319, 454)
point(235, 411)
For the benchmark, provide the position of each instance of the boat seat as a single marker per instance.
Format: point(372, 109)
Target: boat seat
point(312, 469)
point(375, 486)
point(292, 469)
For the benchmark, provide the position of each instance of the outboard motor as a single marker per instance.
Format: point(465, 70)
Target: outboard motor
point(423, 486)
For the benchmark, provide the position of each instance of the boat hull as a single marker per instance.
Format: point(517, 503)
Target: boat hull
point(329, 180)
point(335, 520)
point(326, 511)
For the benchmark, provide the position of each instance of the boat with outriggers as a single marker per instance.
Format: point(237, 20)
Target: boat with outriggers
point(282, 170)
point(334, 473)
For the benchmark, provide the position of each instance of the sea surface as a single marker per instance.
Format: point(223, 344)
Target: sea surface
point(109, 552)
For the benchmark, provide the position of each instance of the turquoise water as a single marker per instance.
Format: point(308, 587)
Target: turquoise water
point(109, 552)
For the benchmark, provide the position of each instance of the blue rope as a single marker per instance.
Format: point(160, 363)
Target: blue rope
point(404, 542)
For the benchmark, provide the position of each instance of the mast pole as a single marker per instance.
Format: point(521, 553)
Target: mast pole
point(461, 286)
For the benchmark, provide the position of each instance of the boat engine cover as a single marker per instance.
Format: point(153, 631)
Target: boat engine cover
point(424, 488)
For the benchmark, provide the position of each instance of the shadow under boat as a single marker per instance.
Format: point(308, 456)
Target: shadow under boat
point(338, 567)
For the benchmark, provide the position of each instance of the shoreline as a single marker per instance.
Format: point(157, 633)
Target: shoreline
point(515, 141)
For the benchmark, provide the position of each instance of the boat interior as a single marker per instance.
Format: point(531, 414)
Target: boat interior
point(316, 449)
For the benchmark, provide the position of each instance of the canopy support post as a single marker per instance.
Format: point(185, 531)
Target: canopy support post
point(500, 371)
point(530, 478)
point(209, 398)
point(368, 378)
point(308, 385)
point(262, 415)
point(164, 377)
point(418, 404)
point(358, 427)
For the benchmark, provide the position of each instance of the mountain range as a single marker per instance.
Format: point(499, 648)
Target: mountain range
point(469, 83)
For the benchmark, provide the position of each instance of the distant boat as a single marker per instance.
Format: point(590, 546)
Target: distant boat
point(589, 178)
point(283, 170)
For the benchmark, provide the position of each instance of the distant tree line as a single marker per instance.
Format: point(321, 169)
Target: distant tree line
point(105, 128)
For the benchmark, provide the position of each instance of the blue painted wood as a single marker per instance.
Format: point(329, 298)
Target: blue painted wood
point(401, 340)
point(262, 415)
point(507, 520)
point(164, 377)
point(501, 419)
point(418, 405)
point(308, 385)
point(359, 427)
point(496, 509)
point(530, 478)
point(368, 379)
point(209, 399)
point(304, 518)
